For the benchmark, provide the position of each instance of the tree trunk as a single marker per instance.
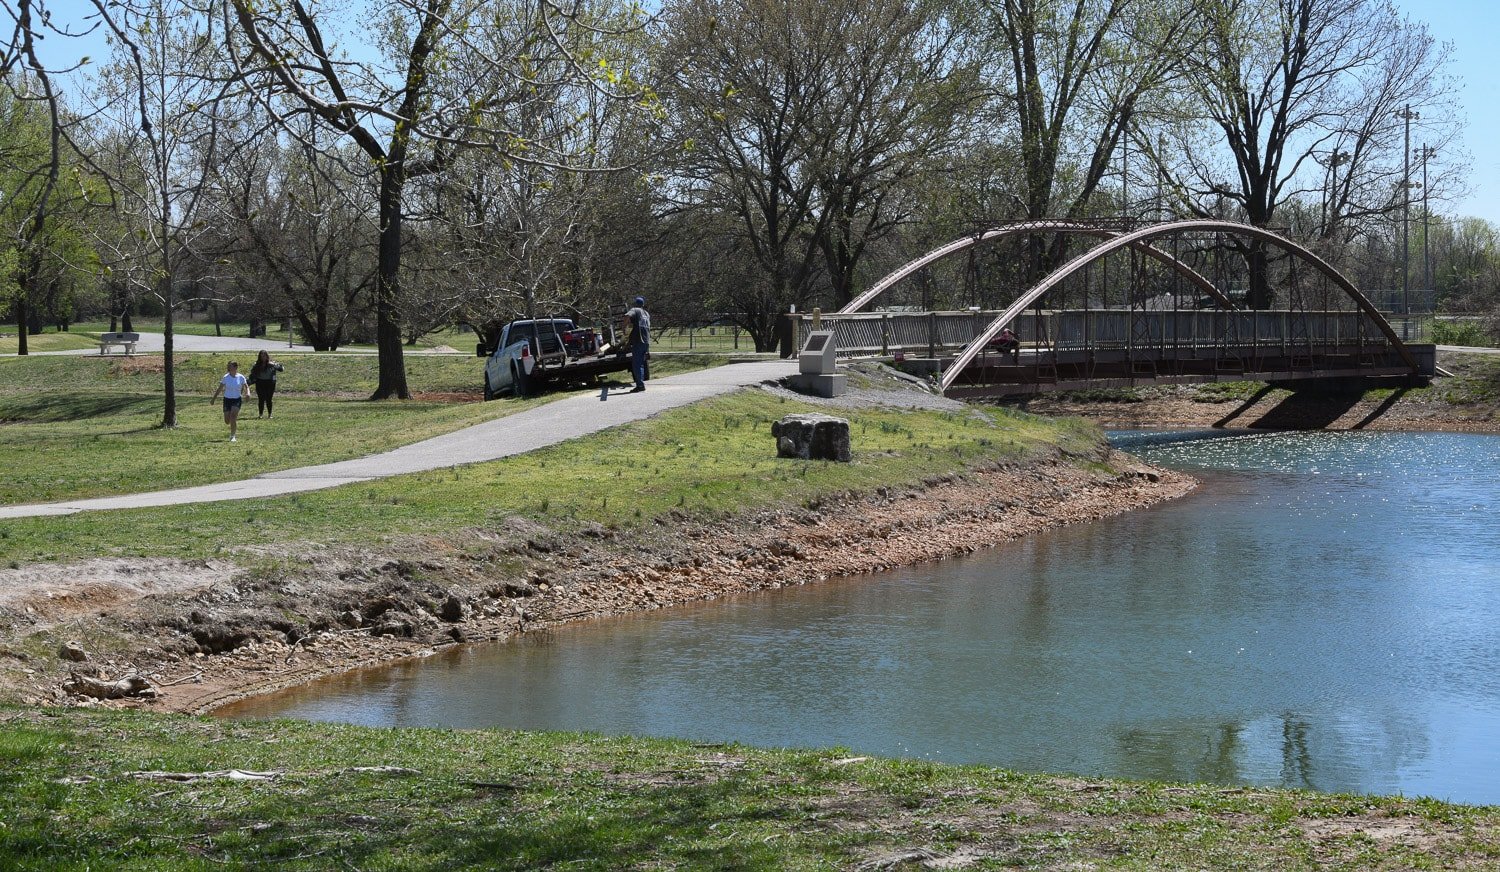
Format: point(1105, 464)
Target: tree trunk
point(392, 381)
point(169, 406)
point(1257, 260)
point(22, 316)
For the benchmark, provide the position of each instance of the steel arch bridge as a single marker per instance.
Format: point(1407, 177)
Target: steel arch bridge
point(1160, 319)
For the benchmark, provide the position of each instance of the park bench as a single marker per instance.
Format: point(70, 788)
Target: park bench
point(126, 339)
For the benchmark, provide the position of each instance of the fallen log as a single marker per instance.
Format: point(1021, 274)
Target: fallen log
point(133, 686)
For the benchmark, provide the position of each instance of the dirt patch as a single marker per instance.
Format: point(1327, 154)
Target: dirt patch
point(1379, 828)
point(447, 396)
point(142, 363)
point(62, 591)
point(209, 633)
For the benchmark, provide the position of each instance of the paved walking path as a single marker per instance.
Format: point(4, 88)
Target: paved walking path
point(555, 422)
point(156, 342)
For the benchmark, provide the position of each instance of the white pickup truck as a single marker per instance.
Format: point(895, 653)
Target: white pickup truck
point(532, 353)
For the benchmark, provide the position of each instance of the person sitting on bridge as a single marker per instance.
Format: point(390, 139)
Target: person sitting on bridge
point(1008, 343)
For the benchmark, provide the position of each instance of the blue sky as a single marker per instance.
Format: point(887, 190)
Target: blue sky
point(1473, 28)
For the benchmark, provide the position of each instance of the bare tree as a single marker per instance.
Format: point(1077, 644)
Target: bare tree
point(156, 140)
point(1076, 73)
point(906, 86)
point(1284, 82)
point(453, 75)
point(804, 121)
point(296, 230)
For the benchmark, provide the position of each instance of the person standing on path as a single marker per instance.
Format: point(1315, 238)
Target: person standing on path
point(233, 386)
point(263, 374)
point(638, 325)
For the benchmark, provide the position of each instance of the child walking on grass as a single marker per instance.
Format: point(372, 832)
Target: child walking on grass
point(233, 386)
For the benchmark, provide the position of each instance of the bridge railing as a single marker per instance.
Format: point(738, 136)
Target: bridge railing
point(1123, 328)
point(937, 333)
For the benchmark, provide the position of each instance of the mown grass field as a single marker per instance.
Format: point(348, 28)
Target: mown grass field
point(74, 427)
point(73, 796)
point(452, 337)
point(10, 344)
point(715, 457)
point(86, 426)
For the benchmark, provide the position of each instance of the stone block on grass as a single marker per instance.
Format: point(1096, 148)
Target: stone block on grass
point(812, 437)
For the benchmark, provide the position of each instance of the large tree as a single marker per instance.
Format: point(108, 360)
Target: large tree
point(1074, 75)
point(1285, 82)
point(906, 92)
point(450, 76)
point(155, 139)
point(804, 123)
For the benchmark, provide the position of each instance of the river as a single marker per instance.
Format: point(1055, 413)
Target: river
point(1324, 613)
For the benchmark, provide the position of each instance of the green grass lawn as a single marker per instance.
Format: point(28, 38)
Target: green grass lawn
point(451, 337)
point(351, 375)
point(74, 427)
point(715, 457)
point(719, 339)
point(10, 344)
point(94, 444)
point(187, 327)
point(76, 793)
point(180, 325)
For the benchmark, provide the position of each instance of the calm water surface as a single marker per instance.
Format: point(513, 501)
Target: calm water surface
point(1324, 612)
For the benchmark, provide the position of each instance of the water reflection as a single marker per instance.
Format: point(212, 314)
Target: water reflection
point(1324, 613)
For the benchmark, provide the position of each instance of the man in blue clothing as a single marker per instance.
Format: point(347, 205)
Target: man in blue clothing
point(638, 325)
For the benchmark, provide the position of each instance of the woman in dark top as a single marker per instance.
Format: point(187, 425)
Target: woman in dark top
point(263, 376)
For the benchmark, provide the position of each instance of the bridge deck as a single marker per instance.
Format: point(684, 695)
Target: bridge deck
point(1042, 371)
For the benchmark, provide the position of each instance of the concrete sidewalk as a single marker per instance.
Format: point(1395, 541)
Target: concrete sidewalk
point(156, 343)
point(569, 418)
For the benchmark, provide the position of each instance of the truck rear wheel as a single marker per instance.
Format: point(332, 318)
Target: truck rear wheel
point(518, 382)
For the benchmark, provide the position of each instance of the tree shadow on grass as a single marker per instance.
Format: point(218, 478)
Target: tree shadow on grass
point(312, 825)
point(53, 408)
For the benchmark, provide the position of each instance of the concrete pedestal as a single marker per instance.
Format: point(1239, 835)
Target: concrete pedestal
point(821, 385)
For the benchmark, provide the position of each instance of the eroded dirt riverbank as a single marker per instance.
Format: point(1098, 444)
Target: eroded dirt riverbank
point(206, 634)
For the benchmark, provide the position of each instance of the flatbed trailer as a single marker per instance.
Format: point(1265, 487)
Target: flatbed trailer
point(527, 359)
point(583, 370)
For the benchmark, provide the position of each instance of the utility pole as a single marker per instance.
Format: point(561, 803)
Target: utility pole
point(1426, 152)
point(1406, 115)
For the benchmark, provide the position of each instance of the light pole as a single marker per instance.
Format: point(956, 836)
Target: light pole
point(1406, 115)
point(1336, 159)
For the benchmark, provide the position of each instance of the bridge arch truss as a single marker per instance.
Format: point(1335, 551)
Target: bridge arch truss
point(1323, 323)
